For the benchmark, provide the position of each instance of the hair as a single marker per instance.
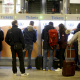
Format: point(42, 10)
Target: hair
point(51, 23)
point(32, 23)
point(61, 28)
point(14, 22)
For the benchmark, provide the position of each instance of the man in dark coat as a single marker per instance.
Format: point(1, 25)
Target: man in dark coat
point(14, 35)
point(30, 36)
point(47, 47)
point(1, 39)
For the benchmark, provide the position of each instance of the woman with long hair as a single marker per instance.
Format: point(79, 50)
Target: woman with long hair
point(62, 42)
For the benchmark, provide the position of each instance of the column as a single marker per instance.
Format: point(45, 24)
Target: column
point(14, 6)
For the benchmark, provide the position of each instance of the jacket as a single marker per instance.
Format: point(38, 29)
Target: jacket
point(2, 38)
point(16, 35)
point(63, 39)
point(44, 36)
point(73, 39)
point(30, 35)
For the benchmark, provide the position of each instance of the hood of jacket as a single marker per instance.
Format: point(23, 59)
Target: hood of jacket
point(47, 27)
point(68, 31)
point(30, 28)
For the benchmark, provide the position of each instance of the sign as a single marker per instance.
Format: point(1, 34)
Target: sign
point(6, 17)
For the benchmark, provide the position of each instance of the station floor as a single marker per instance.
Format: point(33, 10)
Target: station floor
point(6, 74)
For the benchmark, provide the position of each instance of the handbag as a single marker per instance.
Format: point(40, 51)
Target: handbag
point(16, 45)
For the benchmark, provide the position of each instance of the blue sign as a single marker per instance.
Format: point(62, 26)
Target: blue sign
point(20, 24)
point(6, 17)
point(71, 24)
point(57, 18)
point(31, 17)
point(78, 18)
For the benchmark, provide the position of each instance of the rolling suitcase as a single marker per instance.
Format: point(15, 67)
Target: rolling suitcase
point(39, 62)
point(68, 66)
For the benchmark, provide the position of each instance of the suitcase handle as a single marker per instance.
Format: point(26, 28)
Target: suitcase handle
point(70, 52)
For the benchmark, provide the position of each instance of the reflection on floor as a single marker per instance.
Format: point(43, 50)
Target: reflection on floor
point(6, 74)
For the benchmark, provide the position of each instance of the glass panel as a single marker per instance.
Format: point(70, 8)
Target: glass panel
point(7, 6)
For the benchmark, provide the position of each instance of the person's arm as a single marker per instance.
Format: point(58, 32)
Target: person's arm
point(2, 35)
point(22, 39)
point(35, 36)
point(43, 34)
point(7, 40)
point(74, 38)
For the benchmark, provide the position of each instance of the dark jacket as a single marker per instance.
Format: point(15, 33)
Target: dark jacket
point(75, 31)
point(44, 36)
point(2, 38)
point(30, 35)
point(63, 39)
point(17, 36)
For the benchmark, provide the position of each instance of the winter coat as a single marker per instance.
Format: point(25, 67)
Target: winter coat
point(44, 36)
point(30, 35)
point(75, 31)
point(73, 39)
point(2, 38)
point(63, 39)
point(16, 35)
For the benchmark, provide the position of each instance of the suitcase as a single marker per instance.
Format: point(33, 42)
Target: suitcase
point(39, 62)
point(56, 63)
point(68, 66)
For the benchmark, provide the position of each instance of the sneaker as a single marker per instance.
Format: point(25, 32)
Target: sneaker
point(25, 74)
point(44, 70)
point(58, 69)
point(14, 74)
point(49, 70)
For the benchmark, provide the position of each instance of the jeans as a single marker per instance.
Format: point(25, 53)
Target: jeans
point(50, 59)
point(29, 48)
point(21, 60)
point(61, 57)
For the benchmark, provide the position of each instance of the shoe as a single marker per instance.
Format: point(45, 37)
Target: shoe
point(14, 74)
point(58, 69)
point(49, 70)
point(77, 68)
point(25, 74)
point(29, 67)
point(44, 70)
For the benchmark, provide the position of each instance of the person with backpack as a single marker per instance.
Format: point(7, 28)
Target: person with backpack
point(14, 38)
point(1, 39)
point(48, 34)
point(30, 37)
point(63, 32)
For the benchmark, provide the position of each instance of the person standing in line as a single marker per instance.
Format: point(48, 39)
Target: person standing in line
point(47, 47)
point(15, 36)
point(76, 48)
point(1, 39)
point(30, 36)
point(62, 43)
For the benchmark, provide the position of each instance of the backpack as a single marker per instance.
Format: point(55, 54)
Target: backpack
point(52, 37)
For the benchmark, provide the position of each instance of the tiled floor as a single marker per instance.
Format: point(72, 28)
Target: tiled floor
point(6, 74)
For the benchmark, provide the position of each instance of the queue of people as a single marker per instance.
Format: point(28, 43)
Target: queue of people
point(20, 42)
